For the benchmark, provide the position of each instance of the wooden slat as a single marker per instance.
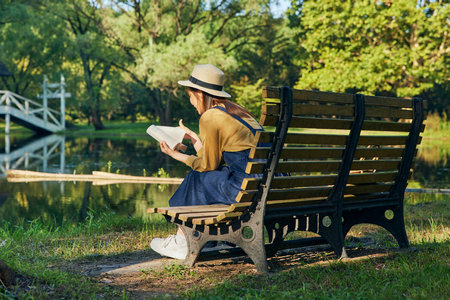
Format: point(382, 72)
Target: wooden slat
point(219, 219)
point(303, 166)
point(383, 140)
point(333, 139)
point(305, 95)
point(314, 201)
point(326, 123)
point(353, 198)
point(367, 189)
point(177, 210)
point(309, 109)
point(388, 101)
point(287, 194)
point(315, 192)
point(189, 217)
point(323, 166)
point(328, 152)
point(388, 112)
point(340, 110)
point(318, 180)
point(388, 126)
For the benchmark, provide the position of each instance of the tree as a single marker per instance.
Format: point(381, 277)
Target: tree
point(272, 59)
point(30, 46)
point(161, 41)
point(87, 45)
point(388, 47)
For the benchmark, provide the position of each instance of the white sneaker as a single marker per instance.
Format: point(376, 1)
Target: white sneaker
point(174, 246)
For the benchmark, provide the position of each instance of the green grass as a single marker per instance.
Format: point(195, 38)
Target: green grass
point(41, 252)
point(15, 129)
point(420, 274)
point(437, 127)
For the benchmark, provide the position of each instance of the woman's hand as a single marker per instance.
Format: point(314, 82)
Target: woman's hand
point(173, 153)
point(196, 142)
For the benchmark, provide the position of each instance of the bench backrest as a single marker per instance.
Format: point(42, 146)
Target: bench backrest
point(338, 146)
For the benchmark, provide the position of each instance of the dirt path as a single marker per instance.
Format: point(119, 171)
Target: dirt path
point(145, 274)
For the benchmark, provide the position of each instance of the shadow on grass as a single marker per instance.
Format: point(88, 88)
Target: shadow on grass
point(421, 271)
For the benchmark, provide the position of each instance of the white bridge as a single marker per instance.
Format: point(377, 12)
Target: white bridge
point(31, 114)
point(37, 154)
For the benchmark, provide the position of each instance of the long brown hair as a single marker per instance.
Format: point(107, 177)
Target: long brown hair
point(231, 107)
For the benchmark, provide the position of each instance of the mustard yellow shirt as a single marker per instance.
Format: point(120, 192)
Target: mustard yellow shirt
point(220, 132)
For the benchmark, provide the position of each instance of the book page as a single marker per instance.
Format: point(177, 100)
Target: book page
point(171, 135)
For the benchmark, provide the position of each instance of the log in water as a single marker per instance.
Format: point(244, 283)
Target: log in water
point(97, 177)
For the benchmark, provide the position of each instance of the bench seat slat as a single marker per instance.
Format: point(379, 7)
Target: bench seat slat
point(189, 217)
point(219, 219)
point(323, 166)
point(188, 209)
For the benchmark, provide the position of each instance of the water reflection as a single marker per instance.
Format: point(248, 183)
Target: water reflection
point(46, 201)
point(432, 168)
point(33, 153)
point(71, 201)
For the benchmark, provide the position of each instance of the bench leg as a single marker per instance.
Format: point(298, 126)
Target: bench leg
point(277, 230)
point(195, 242)
point(378, 216)
point(253, 246)
point(330, 228)
point(255, 250)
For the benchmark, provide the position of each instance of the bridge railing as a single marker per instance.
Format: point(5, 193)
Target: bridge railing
point(29, 107)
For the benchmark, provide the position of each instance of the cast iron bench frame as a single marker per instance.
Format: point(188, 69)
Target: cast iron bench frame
point(243, 223)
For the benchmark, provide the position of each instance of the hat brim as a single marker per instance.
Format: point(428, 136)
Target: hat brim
point(217, 93)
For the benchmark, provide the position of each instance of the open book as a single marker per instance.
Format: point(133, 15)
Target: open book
point(172, 135)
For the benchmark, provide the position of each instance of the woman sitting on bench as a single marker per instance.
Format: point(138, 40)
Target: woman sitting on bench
point(226, 135)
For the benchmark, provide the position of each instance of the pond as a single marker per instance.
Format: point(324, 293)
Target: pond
point(62, 202)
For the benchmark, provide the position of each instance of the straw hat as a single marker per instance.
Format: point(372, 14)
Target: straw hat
point(207, 78)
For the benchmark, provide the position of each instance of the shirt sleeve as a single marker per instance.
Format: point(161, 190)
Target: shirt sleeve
point(209, 157)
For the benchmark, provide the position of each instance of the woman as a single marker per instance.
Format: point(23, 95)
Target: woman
point(226, 135)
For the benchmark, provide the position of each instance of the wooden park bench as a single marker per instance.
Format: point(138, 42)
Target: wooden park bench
point(345, 158)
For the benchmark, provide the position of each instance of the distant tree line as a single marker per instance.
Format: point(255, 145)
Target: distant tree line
point(122, 58)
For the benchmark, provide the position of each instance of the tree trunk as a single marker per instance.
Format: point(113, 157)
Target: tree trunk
point(96, 120)
point(168, 112)
point(160, 110)
point(94, 117)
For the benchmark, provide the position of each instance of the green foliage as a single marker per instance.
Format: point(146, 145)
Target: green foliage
point(249, 96)
point(163, 174)
point(389, 47)
point(31, 45)
point(122, 59)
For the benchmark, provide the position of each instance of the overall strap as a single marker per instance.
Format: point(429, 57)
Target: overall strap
point(253, 130)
